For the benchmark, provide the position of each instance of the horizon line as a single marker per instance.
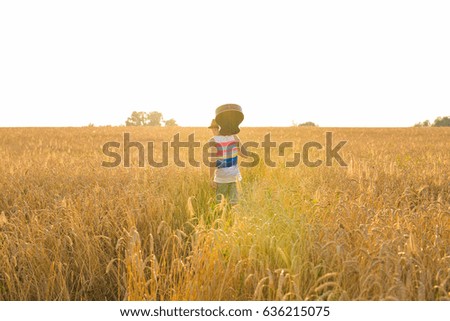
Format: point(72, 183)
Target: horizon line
point(205, 127)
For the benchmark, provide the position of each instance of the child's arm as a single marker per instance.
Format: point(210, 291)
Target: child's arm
point(240, 151)
point(212, 171)
point(212, 163)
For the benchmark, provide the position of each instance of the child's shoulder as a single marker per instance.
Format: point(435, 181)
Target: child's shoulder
point(225, 138)
point(213, 139)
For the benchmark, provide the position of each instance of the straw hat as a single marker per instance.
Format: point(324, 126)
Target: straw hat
point(229, 116)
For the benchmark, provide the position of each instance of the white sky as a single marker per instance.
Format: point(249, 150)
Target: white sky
point(337, 63)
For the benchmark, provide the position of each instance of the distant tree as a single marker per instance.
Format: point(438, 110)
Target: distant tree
point(308, 124)
point(426, 123)
point(140, 118)
point(154, 118)
point(137, 118)
point(438, 122)
point(170, 122)
point(442, 122)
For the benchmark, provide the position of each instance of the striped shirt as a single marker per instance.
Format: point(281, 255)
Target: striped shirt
point(226, 159)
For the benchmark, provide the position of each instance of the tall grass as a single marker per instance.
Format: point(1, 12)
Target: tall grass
point(378, 229)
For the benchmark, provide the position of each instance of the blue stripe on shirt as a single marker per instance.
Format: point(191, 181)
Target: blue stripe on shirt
point(223, 163)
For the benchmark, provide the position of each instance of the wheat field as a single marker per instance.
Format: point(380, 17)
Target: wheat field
point(376, 229)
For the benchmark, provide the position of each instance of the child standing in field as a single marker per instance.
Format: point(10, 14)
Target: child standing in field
point(226, 144)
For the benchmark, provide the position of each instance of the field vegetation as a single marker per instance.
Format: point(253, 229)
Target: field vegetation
point(377, 229)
